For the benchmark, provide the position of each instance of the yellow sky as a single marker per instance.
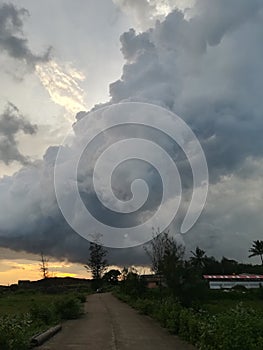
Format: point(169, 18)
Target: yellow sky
point(23, 269)
point(23, 266)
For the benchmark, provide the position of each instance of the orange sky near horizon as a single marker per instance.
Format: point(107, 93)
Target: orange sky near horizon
point(23, 269)
point(16, 266)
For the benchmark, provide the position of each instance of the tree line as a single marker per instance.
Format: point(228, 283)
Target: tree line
point(167, 258)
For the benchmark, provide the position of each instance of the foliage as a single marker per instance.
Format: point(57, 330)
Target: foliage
point(112, 276)
point(238, 328)
point(257, 250)
point(35, 313)
point(44, 314)
point(68, 308)
point(97, 261)
point(133, 285)
point(163, 251)
point(199, 258)
point(81, 297)
point(15, 331)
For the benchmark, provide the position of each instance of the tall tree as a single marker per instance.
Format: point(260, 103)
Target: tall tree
point(97, 262)
point(164, 252)
point(257, 250)
point(44, 266)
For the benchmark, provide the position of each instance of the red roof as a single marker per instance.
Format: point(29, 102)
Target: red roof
point(246, 277)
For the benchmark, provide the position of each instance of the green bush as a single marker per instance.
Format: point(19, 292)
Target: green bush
point(43, 313)
point(14, 332)
point(81, 297)
point(239, 328)
point(68, 308)
point(145, 306)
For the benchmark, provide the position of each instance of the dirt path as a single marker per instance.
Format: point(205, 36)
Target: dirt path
point(110, 324)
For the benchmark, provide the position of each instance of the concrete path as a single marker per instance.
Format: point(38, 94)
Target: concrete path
point(110, 324)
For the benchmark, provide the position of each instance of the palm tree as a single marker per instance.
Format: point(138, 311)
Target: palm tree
point(257, 250)
point(199, 257)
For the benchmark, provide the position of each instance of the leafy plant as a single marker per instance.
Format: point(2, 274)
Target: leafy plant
point(14, 332)
point(68, 308)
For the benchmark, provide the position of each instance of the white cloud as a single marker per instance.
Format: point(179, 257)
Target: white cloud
point(146, 12)
point(62, 84)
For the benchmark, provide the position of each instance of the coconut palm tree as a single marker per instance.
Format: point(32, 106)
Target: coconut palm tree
point(199, 257)
point(257, 250)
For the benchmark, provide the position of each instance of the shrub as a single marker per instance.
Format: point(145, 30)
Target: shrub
point(43, 313)
point(68, 308)
point(145, 306)
point(81, 297)
point(14, 332)
point(239, 328)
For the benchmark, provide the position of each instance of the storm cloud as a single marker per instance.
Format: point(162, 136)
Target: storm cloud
point(208, 69)
point(11, 124)
point(12, 40)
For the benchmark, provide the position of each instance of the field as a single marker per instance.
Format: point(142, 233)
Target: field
point(21, 302)
point(27, 313)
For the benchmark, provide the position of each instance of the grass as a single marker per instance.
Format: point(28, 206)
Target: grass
point(215, 307)
point(17, 303)
point(220, 301)
point(26, 313)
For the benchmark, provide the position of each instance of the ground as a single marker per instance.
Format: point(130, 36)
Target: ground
point(109, 324)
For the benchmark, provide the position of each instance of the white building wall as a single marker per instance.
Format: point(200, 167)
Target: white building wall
point(231, 284)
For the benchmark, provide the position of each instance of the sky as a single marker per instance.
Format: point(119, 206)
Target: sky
point(199, 59)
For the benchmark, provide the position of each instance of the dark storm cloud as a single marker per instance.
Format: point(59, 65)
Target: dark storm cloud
point(12, 123)
point(55, 238)
point(208, 70)
point(12, 40)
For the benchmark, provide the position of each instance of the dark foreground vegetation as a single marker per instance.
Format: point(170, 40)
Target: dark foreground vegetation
point(227, 321)
point(209, 319)
point(26, 312)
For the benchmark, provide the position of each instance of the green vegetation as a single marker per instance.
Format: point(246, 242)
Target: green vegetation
point(26, 313)
point(183, 303)
point(97, 262)
point(224, 324)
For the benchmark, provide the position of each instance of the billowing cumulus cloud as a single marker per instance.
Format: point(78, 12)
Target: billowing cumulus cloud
point(146, 12)
point(11, 124)
point(12, 40)
point(206, 68)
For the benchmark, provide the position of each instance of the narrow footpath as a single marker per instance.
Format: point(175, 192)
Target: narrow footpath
point(109, 324)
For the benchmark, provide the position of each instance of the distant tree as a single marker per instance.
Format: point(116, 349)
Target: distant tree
point(182, 278)
point(44, 266)
point(199, 258)
point(97, 262)
point(164, 252)
point(212, 266)
point(166, 257)
point(229, 266)
point(257, 250)
point(124, 273)
point(133, 284)
point(112, 276)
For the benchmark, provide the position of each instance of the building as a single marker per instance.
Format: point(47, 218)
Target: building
point(24, 283)
point(153, 281)
point(229, 281)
